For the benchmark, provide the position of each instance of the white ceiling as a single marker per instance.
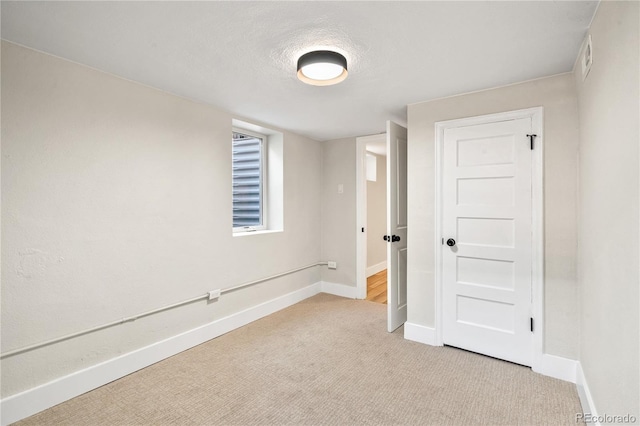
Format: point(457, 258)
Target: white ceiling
point(241, 56)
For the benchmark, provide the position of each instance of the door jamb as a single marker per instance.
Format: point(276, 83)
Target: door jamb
point(537, 259)
point(361, 218)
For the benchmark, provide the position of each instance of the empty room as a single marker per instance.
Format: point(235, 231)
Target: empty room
point(320, 212)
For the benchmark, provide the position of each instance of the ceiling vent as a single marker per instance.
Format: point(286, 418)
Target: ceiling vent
point(586, 58)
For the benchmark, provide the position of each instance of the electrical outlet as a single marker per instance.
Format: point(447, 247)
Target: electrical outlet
point(214, 294)
point(333, 265)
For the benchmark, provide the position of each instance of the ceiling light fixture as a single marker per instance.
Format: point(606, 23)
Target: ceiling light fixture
point(322, 68)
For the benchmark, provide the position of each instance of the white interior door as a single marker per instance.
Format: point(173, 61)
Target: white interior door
point(487, 211)
point(396, 225)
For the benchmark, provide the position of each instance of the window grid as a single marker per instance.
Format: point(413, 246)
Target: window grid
point(247, 151)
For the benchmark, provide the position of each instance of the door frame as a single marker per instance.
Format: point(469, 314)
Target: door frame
point(537, 250)
point(361, 213)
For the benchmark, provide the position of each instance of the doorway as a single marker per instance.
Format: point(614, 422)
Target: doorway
point(395, 234)
point(376, 195)
point(489, 227)
point(374, 206)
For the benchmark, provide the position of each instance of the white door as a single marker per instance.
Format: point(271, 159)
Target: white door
point(396, 225)
point(486, 225)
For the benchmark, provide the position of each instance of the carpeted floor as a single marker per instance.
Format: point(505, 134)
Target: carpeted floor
point(324, 361)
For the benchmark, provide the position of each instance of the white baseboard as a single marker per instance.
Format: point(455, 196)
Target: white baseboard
point(420, 333)
point(374, 269)
point(557, 367)
point(586, 400)
point(549, 365)
point(361, 291)
point(32, 401)
point(341, 290)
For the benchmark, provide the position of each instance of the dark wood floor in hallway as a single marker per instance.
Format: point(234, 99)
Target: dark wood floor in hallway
point(377, 287)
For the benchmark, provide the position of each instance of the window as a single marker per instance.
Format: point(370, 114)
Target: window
point(257, 179)
point(248, 165)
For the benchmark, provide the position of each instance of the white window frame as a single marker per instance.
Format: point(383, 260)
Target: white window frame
point(264, 152)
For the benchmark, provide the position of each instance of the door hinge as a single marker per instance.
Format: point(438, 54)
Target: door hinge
point(531, 137)
point(531, 323)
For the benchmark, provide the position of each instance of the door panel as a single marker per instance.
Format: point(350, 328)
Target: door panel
point(402, 278)
point(486, 191)
point(487, 210)
point(493, 150)
point(485, 313)
point(485, 272)
point(396, 225)
point(481, 230)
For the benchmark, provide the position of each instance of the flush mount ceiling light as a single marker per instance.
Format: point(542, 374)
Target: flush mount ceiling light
point(322, 68)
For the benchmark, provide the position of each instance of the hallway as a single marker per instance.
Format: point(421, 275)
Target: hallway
point(377, 287)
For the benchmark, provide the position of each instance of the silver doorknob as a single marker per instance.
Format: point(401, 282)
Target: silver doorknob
point(451, 242)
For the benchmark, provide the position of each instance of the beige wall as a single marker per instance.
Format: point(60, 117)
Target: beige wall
point(339, 210)
point(377, 214)
point(608, 210)
point(116, 199)
point(557, 96)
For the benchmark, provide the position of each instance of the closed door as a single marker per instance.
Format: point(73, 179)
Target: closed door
point(396, 225)
point(487, 244)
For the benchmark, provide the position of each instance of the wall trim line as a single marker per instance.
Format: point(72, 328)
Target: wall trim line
point(557, 367)
point(378, 267)
point(420, 333)
point(341, 290)
point(586, 399)
point(24, 404)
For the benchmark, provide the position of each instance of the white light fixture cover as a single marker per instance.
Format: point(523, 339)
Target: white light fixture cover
point(322, 68)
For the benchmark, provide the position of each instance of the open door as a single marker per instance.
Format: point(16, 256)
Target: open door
point(396, 226)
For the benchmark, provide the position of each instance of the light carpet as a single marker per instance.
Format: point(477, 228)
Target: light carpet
point(324, 361)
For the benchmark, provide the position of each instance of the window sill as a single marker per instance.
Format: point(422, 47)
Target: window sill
point(248, 233)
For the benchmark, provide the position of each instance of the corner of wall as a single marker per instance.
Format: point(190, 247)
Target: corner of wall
point(338, 218)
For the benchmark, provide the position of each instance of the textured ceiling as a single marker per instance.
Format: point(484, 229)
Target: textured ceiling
point(241, 56)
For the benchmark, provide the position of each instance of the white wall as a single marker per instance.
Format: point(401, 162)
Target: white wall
point(608, 210)
point(557, 96)
point(339, 210)
point(116, 199)
point(377, 214)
